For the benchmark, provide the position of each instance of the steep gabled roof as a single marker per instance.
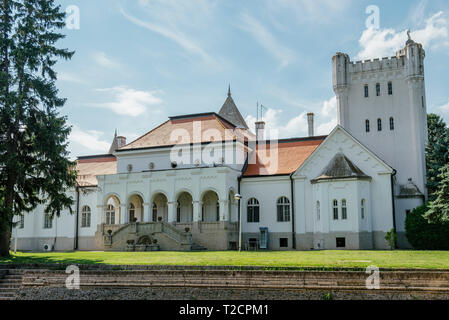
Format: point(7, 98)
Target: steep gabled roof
point(290, 154)
point(192, 128)
point(340, 167)
point(230, 112)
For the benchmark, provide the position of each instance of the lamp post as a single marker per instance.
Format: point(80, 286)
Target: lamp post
point(238, 197)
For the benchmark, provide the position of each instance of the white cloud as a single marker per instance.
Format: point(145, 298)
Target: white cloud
point(444, 108)
point(266, 39)
point(103, 60)
point(130, 102)
point(325, 121)
point(89, 139)
point(385, 42)
point(328, 113)
point(168, 18)
point(69, 77)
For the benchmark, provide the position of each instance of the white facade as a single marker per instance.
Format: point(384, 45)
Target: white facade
point(355, 186)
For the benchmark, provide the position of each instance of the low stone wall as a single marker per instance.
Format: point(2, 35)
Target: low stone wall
point(406, 281)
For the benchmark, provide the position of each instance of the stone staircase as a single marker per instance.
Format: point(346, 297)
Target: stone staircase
point(10, 283)
point(167, 235)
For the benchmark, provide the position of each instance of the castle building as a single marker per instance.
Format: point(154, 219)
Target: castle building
point(205, 181)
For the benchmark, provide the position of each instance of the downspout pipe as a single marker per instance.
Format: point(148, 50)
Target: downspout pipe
point(393, 205)
point(75, 246)
point(239, 179)
point(293, 211)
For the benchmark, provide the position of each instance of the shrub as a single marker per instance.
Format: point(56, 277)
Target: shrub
point(391, 238)
point(423, 235)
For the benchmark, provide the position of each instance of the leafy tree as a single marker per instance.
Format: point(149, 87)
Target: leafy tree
point(34, 165)
point(439, 208)
point(425, 235)
point(437, 152)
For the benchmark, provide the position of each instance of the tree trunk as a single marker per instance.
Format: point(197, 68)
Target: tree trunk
point(5, 238)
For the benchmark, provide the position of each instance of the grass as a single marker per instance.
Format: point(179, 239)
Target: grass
point(274, 259)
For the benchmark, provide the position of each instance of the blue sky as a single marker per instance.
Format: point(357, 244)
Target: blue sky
point(139, 61)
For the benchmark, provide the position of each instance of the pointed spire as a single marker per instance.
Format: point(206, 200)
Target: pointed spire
point(231, 113)
point(114, 144)
point(229, 90)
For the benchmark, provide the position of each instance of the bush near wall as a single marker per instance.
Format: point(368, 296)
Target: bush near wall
point(423, 235)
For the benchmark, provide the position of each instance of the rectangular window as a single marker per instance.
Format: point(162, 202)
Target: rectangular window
point(341, 242)
point(22, 221)
point(335, 209)
point(366, 91)
point(48, 222)
point(253, 213)
point(378, 89)
point(283, 242)
point(390, 88)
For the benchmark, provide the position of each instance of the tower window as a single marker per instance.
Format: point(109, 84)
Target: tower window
point(367, 125)
point(379, 125)
point(378, 89)
point(366, 91)
point(318, 210)
point(390, 88)
point(362, 208)
point(391, 123)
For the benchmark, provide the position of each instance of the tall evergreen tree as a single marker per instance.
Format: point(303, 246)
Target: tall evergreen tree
point(34, 164)
point(439, 209)
point(437, 152)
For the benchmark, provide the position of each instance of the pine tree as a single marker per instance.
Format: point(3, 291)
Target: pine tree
point(437, 152)
point(439, 209)
point(34, 164)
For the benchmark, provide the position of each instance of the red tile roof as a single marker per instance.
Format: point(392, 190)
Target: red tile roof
point(89, 167)
point(291, 153)
point(187, 125)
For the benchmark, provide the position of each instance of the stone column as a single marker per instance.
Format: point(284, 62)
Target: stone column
point(171, 212)
point(123, 214)
point(146, 212)
point(197, 211)
point(224, 212)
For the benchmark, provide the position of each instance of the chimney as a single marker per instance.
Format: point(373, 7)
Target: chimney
point(310, 117)
point(121, 141)
point(260, 130)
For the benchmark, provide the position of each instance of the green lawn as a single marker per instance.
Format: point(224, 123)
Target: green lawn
point(381, 259)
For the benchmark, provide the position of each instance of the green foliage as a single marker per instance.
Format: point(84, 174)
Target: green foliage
point(424, 235)
point(391, 238)
point(328, 296)
point(439, 208)
point(437, 152)
point(34, 164)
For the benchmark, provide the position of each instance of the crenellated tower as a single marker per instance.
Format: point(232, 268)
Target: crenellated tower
point(382, 103)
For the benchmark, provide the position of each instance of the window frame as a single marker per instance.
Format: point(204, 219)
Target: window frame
point(366, 90)
point(363, 209)
point(283, 209)
point(378, 89)
point(154, 212)
point(48, 221)
point(391, 124)
point(335, 209)
point(318, 211)
point(252, 210)
point(110, 215)
point(22, 221)
point(367, 125)
point(379, 124)
point(390, 88)
point(344, 209)
point(86, 214)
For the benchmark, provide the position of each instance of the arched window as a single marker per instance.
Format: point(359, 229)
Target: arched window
point(379, 125)
point(318, 213)
point(335, 209)
point(391, 123)
point(132, 212)
point(22, 221)
point(154, 209)
point(283, 206)
point(85, 217)
point(253, 210)
point(378, 89)
point(362, 208)
point(178, 212)
point(367, 125)
point(366, 91)
point(344, 210)
point(48, 221)
point(110, 214)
